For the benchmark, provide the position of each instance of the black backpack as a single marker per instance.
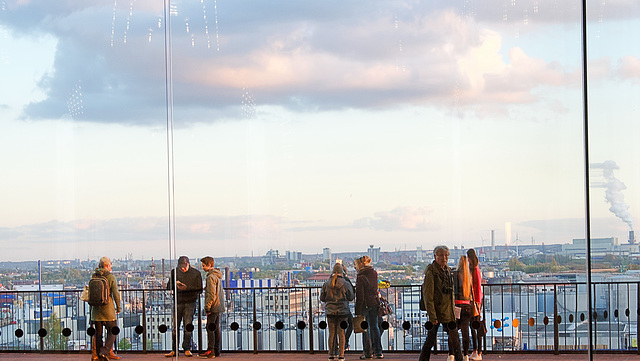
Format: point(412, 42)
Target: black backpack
point(98, 291)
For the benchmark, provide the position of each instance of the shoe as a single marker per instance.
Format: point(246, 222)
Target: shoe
point(365, 357)
point(103, 357)
point(478, 358)
point(380, 356)
point(340, 358)
point(330, 358)
point(465, 358)
point(113, 356)
point(473, 355)
point(451, 358)
point(188, 353)
point(170, 354)
point(207, 354)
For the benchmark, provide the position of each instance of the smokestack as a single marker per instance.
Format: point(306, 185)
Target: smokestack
point(632, 237)
point(493, 240)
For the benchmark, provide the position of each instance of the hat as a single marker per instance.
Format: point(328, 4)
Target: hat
point(337, 268)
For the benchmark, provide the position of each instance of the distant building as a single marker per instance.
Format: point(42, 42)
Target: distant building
point(374, 254)
point(326, 255)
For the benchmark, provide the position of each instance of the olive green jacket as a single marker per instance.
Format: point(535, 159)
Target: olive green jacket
point(437, 293)
point(107, 312)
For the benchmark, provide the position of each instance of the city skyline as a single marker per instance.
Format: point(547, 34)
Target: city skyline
point(303, 126)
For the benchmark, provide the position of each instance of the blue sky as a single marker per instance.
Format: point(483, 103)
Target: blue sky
point(335, 125)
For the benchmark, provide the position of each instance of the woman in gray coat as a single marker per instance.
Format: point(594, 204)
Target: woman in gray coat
point(337, 293)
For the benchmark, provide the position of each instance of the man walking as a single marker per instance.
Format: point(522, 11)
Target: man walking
point(188, 283)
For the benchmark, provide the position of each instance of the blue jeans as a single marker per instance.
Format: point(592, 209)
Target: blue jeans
point(371, 338)
point(184, 314)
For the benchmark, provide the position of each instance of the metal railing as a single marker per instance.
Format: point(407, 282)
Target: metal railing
point(526, 317)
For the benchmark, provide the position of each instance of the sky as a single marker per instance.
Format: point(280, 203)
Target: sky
point(303, 125)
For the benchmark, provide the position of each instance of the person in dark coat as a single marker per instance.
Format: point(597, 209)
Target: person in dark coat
point(187, 282)
point(367, 304)
point(337, 293)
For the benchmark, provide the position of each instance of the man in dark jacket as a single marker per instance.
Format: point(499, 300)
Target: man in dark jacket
point(187, 282)
point(437, 293)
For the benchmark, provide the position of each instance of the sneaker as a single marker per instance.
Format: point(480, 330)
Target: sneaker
point(478, 358)
point(365, 357)
point(188, 353)
point(451, 358)
point(380, 356)
point(170, 354)
point(465, 358)
point(207, 354)
point(473, 355)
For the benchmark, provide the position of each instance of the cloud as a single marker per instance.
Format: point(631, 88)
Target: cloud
point(399, 219)
point(629, 68)
point(326, 56)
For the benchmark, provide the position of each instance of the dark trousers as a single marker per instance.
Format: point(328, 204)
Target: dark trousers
point(454, 343)
point(103, 348)
point(348, 331)
point(463, 326)
point(214, 335)
point(477, 336)
point(184, 314)
point(371, 337)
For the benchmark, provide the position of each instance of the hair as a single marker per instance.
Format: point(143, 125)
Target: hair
point(337, 270)
point(441, 248)
point(208, 260)
point(473, 258)
point(103, 261)
point(183, 260)
point(363, 261)
point(464, 275)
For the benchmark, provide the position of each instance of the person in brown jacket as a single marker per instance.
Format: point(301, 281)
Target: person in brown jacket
point(105, 316)
point(213, 307)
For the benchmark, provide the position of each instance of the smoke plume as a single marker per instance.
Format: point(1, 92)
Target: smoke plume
point(613, 191)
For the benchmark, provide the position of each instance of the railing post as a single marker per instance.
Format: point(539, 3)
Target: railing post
point(310, 322)
point(556, 327)
point(637, 319)
point(255, 318)
point(41, 321)
point(200, 325)
point(144, 322)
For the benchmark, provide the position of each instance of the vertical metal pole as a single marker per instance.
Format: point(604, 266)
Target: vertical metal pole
point(556, 331)
point(637, 318)
point(585, 93)
point(310, 322)
point(144, 322)
point(40, 298)
point(255, 318)
point(200, 325)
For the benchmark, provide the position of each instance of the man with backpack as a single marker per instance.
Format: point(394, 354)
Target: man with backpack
point(104, 299)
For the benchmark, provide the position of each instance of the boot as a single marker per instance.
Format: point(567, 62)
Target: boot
point(113, 356)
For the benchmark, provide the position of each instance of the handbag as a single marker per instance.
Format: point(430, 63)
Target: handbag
point(385, 307)
point(84, 296)
point(357, 324)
